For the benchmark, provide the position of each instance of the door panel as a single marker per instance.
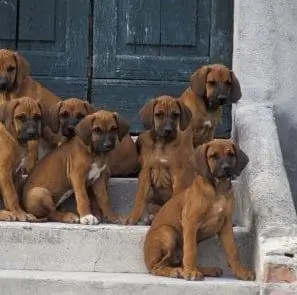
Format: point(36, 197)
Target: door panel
point(144, 49)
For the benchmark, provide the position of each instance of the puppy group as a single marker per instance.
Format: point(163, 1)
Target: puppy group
point(184, 190)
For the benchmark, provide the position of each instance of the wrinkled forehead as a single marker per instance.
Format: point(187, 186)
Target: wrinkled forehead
point(219, 73)
point(6, 59)
point(104, 120)
point(73, 105)
point(220, 148)
point(167, 105)
point(28, 107)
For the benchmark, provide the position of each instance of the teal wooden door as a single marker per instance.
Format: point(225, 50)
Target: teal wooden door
point(53, 37)
point(143, 48)
point(119, 53)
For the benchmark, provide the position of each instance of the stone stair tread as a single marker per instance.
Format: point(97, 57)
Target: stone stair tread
point(43, 282)
point(100, 248)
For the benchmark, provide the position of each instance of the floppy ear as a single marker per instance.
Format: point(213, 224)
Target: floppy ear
point(146, 114)
point(199, 160)
point(90, 108)
point(22, 70)
point(84, 129)
point(54, 121)
point(123, 126)
point(241, 160)
point(185, 115)
point(7, 112)
point(235, 88)
point(198, 81)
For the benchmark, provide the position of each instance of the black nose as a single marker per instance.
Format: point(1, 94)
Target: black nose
point(167, 130)
point(31, 132)
point(107, 146)
point(222, 99)
point(226, 168)
point(3, 84)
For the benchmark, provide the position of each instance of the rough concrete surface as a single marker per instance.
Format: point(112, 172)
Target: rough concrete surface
point(264, 180)
point(48, 283)
point(102, 248)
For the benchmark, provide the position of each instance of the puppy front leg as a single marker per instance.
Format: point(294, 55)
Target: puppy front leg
point(227, 239)
point(32, 156)
point(11, 200)
point(82, 200)
point(190, 226)
point(100, 190)
point(141, 195)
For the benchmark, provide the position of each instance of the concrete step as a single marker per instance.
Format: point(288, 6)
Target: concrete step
point(101, 248)
point(69, 283)
point(122, 193)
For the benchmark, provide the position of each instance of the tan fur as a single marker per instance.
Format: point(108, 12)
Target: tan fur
point(13, 156)
point(164, 165)
point(201, 211)
point(69, 168)
point(203, 83)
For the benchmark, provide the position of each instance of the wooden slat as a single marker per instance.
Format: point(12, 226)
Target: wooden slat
point(8, 11)
point(37, 20)
point(177, 30)
point(221, 37)
point(105, 31)
point(143, 22)
point(158, 67)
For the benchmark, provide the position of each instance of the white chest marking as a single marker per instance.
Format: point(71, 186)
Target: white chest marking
point(207, 123)
point(95, 172)
point(163, 160)
point(21, 165)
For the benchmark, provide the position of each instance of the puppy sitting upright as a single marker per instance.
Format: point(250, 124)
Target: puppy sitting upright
point(163, 155)
point(199, 212)
point(21, 121)
point(64, 116)
point(212, 86)
point(79, 163)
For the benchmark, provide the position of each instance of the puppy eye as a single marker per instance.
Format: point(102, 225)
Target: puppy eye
point(21, 117)
point(36, 117)
point(230, 154)
point(10, 69)
point(80, 116)
point(159, 115)
point(213, 156)
point(175, 115)
point(64, 114)
point(113, 128)
point(97, 130)
point(228, 83)
point(211, 82)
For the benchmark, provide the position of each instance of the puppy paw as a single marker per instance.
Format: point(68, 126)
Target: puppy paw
point(7, 216)
point(69, 217)
point(211, 271)
point(89, 219)
point(23, 216)
point(245, 274)
point(191, 274)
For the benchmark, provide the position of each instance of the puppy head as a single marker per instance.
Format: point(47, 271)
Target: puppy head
point(65, 115)
point(22, 116)
point(102, 131)
point(216, 85)
point(165, 115)
point(13, 70)
point(220, 159)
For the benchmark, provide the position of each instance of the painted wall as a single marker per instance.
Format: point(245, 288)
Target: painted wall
point(265, 61)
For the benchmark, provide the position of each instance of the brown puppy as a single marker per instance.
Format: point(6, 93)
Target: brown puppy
point(211, 87)
point(163, 155)
point(201, 211)
point(15, 82)
point(79, 163)
point(64, 116)
point(21, 123)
